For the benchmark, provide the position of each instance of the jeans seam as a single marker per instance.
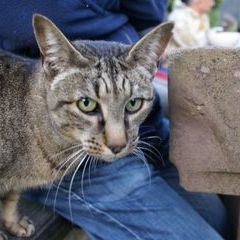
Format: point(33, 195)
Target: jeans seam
point(103, 213)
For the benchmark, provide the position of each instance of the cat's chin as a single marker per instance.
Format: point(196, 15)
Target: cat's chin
point(110, 157)
point(107, 155)
point(113, 157)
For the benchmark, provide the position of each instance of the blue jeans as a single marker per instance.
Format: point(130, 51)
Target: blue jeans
point(128, 200)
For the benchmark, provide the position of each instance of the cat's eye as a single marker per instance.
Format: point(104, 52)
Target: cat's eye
point(87, 105)
point(134, 105)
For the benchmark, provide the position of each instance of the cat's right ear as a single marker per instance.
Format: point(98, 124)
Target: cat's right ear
point(57, 52)
point(148, 50)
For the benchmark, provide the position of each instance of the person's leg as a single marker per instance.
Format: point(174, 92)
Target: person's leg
point(209, 206)
point(126, 200)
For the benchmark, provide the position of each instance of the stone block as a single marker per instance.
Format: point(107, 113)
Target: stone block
point(204, 100)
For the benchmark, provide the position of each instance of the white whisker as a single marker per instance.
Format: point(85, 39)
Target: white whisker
point(70, 186)
point(146, 154)
point(152, 137)
point(69, 167)
point(72, 155)
point(150, 151)
point(82, 189)
point(141, 156)
point(65, 150)
point(150, 145)
point(89, 170)
point(95, 162)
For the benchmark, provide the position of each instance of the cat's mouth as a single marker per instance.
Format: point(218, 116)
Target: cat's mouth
point(108, 156)
point(111, 153)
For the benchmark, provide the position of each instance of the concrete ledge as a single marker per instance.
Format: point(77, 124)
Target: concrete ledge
point(209, 182)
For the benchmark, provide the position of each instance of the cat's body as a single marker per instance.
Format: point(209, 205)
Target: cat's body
point(83, 101)
point(27, 139)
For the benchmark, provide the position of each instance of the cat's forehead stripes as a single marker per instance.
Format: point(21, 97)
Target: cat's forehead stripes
point(107, 86)
point(112, 80)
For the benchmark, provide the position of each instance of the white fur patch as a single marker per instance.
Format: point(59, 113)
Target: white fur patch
point(62, 76)
point(144, 71)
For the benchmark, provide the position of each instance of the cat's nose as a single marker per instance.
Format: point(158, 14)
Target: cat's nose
point(116, 148)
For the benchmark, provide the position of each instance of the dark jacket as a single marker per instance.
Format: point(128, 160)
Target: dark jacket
point(117, 20)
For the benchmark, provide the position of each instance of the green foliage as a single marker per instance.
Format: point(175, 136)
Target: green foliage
point(170, 5)
point(214, 14)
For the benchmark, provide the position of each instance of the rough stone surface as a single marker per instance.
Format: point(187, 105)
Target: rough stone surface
point(204, 99)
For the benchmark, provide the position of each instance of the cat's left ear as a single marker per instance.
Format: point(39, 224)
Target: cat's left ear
point(58, 54)
point(148, 50)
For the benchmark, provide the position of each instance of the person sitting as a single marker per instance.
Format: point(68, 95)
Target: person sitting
point(191, 23)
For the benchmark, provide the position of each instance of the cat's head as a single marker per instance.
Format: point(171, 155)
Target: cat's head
point(98, 93)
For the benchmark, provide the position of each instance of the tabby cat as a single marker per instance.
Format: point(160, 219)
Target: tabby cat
point(83, 99)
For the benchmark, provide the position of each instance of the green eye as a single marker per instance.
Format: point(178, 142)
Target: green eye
point(87, 105)
point(134, 105)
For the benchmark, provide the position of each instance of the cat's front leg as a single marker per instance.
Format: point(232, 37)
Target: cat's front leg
point(21, 227)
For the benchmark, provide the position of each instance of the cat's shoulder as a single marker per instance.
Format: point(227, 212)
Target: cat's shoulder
point(9, 57)
point(9, 62)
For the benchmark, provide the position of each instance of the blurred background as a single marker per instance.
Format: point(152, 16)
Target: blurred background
point(221, 9)
point(200, 23)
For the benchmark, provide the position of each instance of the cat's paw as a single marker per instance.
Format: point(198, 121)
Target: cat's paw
point(3, 236)
point(23, 228)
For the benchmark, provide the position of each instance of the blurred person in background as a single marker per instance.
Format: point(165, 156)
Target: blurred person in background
point(191, 23)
